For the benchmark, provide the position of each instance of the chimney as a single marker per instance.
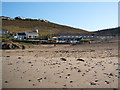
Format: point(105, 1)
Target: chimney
point(37, 30)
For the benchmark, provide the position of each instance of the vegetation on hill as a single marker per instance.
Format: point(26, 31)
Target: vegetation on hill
point(45, 28)
point(110, 31)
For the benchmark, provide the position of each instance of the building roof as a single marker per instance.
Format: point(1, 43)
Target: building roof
point(31, 31)
point(78, 35)
point(34, 32)
point(21, 33)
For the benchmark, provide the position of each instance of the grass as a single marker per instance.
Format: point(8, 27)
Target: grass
point(44, 28)
point(5, 35)
point(25, 42)
point(6, 40)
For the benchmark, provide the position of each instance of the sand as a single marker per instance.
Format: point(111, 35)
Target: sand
point(62, 66)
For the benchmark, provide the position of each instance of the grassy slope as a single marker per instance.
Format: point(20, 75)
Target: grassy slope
point(43, 27)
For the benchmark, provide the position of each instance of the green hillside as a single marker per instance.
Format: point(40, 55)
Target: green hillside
point(44, 27)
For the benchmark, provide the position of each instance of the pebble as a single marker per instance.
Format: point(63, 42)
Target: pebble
point(65, 85)
point(6, 81)
point(107, 82)
point(29, 80)
point(79, 70)
point(10, 64)
point(59, 76)
point(68, 75)
point(29, 62)
point(92, 83)
point(39, 79)
point(80, 60)
point(96, 80)
point(19, 57)
point(33, 84)
point(63, 59)
point(71, 81)
point(111, 74)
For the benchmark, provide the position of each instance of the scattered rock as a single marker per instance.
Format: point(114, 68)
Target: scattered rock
point(29, 62)
point(63, 59)
point(80, 60)
point(96, 80)
point(92, 83)
point(59, 76)
point(33, 84)
point(23, 47)
point(83, 75)
point(10, 64)
point(30, 51)
point(71, 81)
point(65, 85)
point(19, 57)
point(6, 81)
point(103, 69)
point(95, 71)
point(11, 46)
point(39, 79)
point(79, 70)
point(107, 82)
point(29, 80)
point(68, 75)
point(5, 46)
point(56, 82)
point(75, 67)
point(70, 63)
point(111, 74)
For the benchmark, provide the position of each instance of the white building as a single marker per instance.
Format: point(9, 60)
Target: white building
point(28, 35)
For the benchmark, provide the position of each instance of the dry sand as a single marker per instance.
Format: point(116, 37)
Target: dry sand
point(62, 66)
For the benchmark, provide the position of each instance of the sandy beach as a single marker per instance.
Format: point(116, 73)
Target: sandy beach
point(61, 66)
